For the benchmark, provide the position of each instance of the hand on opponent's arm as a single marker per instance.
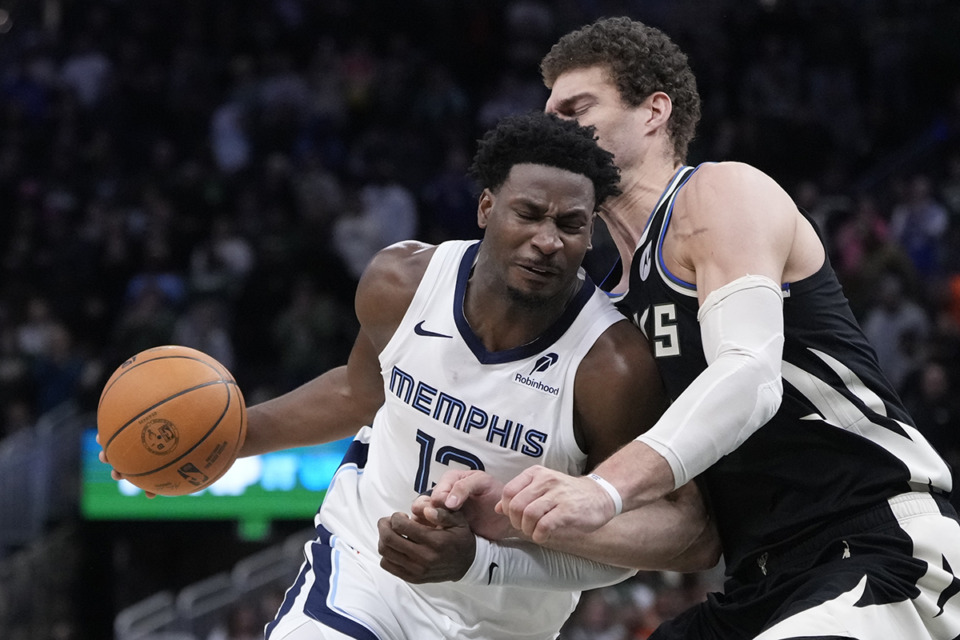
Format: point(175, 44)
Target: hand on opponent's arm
point(495, 511)
point(420, 552)
point(475, 495)
point(551, 507)
point(545, 504)
point(674, 533)
point(436, 545)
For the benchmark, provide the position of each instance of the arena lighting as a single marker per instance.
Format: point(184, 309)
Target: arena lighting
point(284, 485)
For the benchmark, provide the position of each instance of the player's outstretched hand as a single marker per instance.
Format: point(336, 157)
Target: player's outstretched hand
point(475, 494)
point(113, 472)
point(545, 504)
point(419, 553)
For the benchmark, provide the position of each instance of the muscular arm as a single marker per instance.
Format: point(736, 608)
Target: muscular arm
point(675, 533)
point(445, 549)
point(737, 235)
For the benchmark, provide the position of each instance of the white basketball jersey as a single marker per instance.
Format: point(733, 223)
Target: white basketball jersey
point(450, 403)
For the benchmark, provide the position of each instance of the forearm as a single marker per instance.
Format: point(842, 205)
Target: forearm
point(321, 410)
point(741, 388)
point(672, 534)
point(518, 563)
point(675, 533)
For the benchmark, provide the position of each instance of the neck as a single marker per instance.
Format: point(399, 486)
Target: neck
point(503, 323)
point(626, 215)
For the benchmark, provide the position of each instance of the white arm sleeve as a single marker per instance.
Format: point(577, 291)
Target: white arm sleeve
point(518, 563)
point(741, 325)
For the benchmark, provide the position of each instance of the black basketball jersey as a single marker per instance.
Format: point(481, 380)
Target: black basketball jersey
point(841, 440)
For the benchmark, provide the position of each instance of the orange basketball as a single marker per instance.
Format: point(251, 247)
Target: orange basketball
point(171, 420)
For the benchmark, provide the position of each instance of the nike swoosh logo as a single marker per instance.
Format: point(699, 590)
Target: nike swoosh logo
point(493, 567)
point(420, 331)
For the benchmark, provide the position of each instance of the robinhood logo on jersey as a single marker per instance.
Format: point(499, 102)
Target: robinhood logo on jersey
point(532, 379)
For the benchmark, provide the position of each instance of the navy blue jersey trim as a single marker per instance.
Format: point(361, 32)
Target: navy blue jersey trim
point(616, 271)
point(324, 535)
point(547, 338)
point(356, 454)
point(663, 233)
point(321, 558)
point(785, 287)
point(664, 193)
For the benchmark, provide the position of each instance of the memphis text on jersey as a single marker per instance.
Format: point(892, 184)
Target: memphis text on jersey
point(453, 412)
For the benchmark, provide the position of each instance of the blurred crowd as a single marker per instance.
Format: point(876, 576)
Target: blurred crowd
point(217, 173)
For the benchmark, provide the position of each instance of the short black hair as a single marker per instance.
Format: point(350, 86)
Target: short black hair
point(543, 138)
point(640, 60)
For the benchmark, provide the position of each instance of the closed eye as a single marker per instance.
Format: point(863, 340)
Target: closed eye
point(572, 226)
point(575, 106)
point(569, 112)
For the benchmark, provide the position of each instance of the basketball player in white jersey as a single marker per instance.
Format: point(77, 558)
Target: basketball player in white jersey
point(832, 508)
point(492, 355)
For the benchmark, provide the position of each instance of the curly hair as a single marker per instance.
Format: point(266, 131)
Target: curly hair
point(542, 138)
point(640, 60)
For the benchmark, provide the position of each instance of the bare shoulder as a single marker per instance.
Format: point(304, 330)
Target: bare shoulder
point(621, 351)
point(731, 219)
point(763, 217)
point(732, 179)
point(405, 260)
point(621, 362)
point(718, 181)
point(388, 284)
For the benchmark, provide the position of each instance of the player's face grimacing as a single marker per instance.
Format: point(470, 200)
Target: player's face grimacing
point(537, 229)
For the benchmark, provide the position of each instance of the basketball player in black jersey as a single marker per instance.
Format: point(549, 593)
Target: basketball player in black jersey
point(831, 506)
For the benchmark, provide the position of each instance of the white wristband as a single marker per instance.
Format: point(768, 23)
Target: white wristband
point(611, 491)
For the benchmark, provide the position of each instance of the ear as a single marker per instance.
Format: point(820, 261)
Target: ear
point(593, 219)
point(660, 107)
point(484, 207)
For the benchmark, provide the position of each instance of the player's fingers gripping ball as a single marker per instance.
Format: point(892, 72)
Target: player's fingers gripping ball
point(171, 420)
